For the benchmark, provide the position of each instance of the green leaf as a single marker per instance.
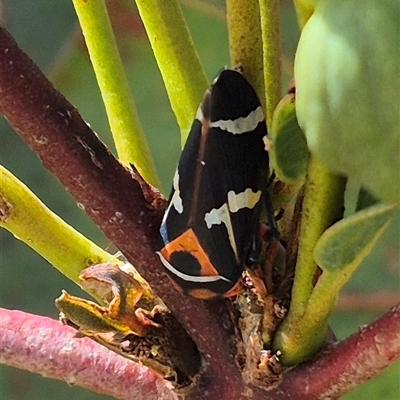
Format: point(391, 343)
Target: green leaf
point(347, 74)
point(289, 152)
point(350, 240)
point(338, 252)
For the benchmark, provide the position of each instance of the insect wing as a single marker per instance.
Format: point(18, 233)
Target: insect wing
point(214, 206)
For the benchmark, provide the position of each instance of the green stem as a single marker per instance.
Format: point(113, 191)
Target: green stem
point(271, 39)
point(245, 44)
point(302, 333)
point(124, 122)
point(322, 205)
point(339, 252)
point(29, 220)
point(177, 59)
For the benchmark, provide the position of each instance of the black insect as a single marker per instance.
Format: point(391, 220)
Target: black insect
point(213, 214)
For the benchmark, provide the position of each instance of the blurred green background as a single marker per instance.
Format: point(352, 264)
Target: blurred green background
point(48, 32)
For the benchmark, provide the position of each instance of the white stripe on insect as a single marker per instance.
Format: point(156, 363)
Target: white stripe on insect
point(218, 216)
point(246, 199)
point(267, 143)
point(176, 200)
point(190, 278)
point(236, 202)
point(241, 124)
point(199, 114)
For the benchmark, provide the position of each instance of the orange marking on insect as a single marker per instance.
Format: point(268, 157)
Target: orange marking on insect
point(188, 243)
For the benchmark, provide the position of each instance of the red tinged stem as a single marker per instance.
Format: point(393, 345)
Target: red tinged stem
point(42, 345)
point(348, 363)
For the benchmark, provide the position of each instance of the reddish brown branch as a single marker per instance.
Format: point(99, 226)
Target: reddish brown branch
point(44, 346)
point(348, 363)
point(70, 150)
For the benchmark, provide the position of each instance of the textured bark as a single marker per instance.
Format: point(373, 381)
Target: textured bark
point(347, 363)
point(42, 345)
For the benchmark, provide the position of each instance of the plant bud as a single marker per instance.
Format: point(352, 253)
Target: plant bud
point(347, 73)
